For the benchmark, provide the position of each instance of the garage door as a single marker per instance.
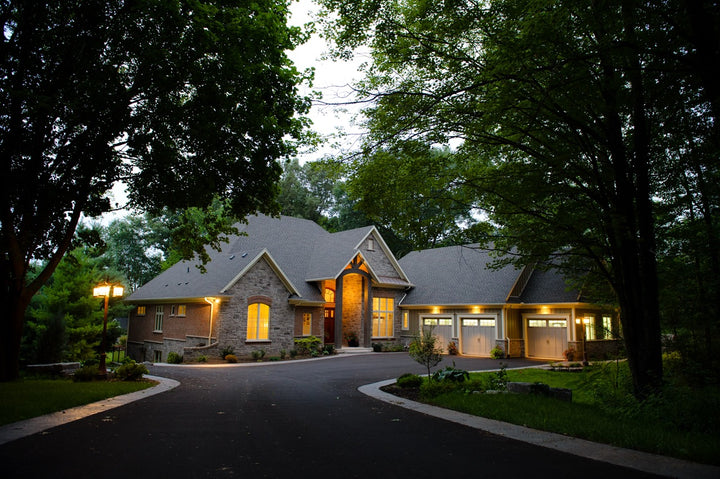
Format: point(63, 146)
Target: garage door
point(441, 328)
point(546, 338)
point(477, 336)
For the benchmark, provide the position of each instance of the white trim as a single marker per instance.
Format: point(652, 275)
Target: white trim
point(563, 316)
point(273, 264)
point(461, 316)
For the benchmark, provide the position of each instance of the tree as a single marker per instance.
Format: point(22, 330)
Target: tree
point(566, 117)
point(183, 101)
point(425, 350)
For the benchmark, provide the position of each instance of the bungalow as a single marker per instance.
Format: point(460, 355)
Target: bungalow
point(284, 278)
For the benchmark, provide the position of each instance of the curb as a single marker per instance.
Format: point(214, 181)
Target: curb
point(641, 461)
point(20, 429)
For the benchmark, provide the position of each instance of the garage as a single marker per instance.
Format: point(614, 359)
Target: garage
point(441, 328)
point(477, 335)
point(546, 337)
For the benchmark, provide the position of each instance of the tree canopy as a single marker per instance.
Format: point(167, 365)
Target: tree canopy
point(184, 101)
point(578, 124)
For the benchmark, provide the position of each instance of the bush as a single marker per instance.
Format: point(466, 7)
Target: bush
point(226, 351)
point(231, 358)
point(451, 373)
point(377, 347)
point(283, 354)
point(452, 348)
point(131, 372)
point(329, 349)
point(202, 359)
point(497, 353)
point(86, 373)
point(431, 389)
point(306, 346)
point(408, 380)
point(257, 355)
point(293, 353)
point(499, 379)
point(174, 358)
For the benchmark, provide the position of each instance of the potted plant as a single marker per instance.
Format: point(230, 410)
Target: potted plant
point(352, 339)
point(569, 354)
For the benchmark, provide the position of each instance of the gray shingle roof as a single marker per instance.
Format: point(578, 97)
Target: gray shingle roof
point(456, 275)
point(547, 286)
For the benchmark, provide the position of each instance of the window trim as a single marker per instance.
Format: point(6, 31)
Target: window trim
point(389, 317)
point(182, 310)
point(308, 317)
point(259, 307)
point(159, 317)
point(141, 311)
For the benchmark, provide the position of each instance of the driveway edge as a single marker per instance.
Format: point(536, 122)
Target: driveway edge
point(27, 427)
point(642, 461)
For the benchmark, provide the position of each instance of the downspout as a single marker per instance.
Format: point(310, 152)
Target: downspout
point(211, 302)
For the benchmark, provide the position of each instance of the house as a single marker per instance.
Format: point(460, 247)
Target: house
point(285, 278)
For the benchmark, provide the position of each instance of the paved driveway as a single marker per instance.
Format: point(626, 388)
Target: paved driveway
point(284, 420)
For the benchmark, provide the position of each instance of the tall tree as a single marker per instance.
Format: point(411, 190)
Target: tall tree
point(183, 100)
point(562, 109)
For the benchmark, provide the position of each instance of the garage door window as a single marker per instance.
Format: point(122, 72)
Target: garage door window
point(471, 322)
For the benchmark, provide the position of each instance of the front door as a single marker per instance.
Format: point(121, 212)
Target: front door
point(329, 335)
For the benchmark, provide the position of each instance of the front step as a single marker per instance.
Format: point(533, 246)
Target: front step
point(348, 350)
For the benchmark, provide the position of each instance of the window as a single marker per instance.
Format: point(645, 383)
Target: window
point(157, 356)
point(487, 322)
point(329, 295)
point(589, 325)
point(383, 314)
point(158, 318)
point(182, 310)
point(258, 328)
point(445, 322)
point(371, 244)
point(557, 323)
point(172, 310)
point(406, 320)
point(537, 323)
point(307, 323)
point(141, 311)
point(430, 321)
point(607, 327)
point(470, 322)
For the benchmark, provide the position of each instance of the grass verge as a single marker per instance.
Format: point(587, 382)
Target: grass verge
point(34, 397)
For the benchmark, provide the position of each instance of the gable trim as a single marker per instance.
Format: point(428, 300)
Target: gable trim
point(273, 264)
point(379, 239)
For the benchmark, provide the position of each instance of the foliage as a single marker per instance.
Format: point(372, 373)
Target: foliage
point(231, 358)
point(328, 350)
point(409, 380)
point(131, 371)
point(307, 345)
point(197, 99)
point(283, 354)
point(352, 339)
point(451, 373)
point(499, 379)
point(258, 354)
point(452, 348)
point(86, 373)
point(226, 350)
point(497, 353)
point(432, 389)
point(425, 350)
point(174, 358)
point(202, 358)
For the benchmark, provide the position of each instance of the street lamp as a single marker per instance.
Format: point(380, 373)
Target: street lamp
point(105, 290)
point(586, 320)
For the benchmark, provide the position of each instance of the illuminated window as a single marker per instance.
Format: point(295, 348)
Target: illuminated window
point(329, 295)
point(406, 320)
point(430, 321)
point(470, 322)
point(445, 322)
point(159, 318)
point(487, 322)
point(307, 323)
point(607, 327)
point(537, 323)
point(258, 328)
point(589, 322)
point(141, 311)
point(383, 314)
point(557, 323)
point(182, 309)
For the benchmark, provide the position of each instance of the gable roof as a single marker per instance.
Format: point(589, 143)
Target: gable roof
point(298, 250)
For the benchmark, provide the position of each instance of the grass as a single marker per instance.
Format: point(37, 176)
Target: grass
point(681, 423)
point(29, 398)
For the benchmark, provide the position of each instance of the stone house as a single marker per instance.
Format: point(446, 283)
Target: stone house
point(285, 278)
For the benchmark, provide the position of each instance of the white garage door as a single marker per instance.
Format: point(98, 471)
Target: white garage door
point(441, 328)
point(546, 338)
point(477, 336)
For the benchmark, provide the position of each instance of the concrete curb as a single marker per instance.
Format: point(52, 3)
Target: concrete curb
point(642, 461)
point(17, 430)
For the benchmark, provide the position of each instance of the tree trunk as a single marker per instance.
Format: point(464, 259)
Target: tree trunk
point(11, 326)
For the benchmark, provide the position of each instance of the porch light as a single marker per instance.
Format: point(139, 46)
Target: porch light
point(544, 310)
point(106, 290)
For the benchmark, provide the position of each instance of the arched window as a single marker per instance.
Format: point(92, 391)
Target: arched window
point(258, 328)
point(329, 295)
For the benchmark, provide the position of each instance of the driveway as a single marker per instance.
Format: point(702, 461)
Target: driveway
point(285, 420)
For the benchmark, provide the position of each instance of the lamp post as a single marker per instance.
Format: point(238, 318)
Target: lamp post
point(105, 290)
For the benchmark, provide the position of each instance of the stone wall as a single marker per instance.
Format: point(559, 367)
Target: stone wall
point(352, 307)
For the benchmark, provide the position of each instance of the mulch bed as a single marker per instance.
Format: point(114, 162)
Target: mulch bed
point(412, 394)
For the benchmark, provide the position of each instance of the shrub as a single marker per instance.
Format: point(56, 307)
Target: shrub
point(258, 354)
point(452, 348)
point(431, 389)
point(497, 353)
point(424, 350)
point(231, 358)
point(202, 359)
point(283, 354)
point(307, 345)
point(408, 380)
point(499, 380)
point(451, 373)
point(377, 347)
point(174, 358)
point(131, 372)
point(293, 353)
point(226, 350)
point(86, 373)
point(329, 349)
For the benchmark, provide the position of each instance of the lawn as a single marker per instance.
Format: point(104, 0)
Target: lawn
point(34, 397)
point(682, 422)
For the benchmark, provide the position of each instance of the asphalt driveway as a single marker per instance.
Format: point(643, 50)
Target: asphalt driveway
point(293, 420)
